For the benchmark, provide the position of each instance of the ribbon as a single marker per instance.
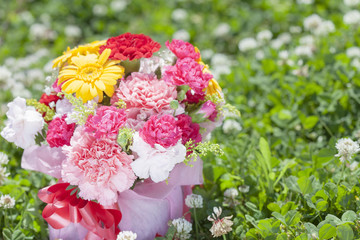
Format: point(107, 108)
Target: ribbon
point(64, 207)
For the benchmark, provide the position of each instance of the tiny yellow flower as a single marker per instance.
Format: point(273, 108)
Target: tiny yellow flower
point(82, 50)
point(90, 75)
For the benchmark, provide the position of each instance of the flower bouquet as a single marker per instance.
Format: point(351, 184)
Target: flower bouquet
point(121, 126)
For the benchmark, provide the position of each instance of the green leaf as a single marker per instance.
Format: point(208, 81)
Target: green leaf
point(327, 231)
point(322, 206)
point(311, 229)
point(349, 216)
point(174, 104)
point(265, 152)
point(333, 220)
point(291, 183)
point(170, 233)
point(292, 218)
point(282, 236)
point(305, 184)
point(310, 122)
point(279, 217)
point(6, 234)
point(274, 207)
point(303, 236)
point(345, 232)
point(18, 235)
point(251, 234)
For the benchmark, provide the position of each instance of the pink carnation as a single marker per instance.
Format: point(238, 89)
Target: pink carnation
point(182, 49)
point(162, 131)
point(106, 122)
point(59, 132)
point(187, 72)
point(208, 110)
point(145, 91)
point(98, 167)
point(189, 129)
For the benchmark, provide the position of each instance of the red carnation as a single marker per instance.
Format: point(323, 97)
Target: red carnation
point(130, 46)
point(47, 99)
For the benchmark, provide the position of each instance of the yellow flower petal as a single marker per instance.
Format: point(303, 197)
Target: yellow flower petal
point(100, 85)
point(72, 86)
point(104, 56)
point(109, 90)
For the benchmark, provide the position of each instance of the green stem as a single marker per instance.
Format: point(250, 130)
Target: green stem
point(342, 173)
point(224, 236)
point(196, 224)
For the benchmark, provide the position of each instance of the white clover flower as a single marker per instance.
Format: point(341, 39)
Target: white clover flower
point(231, 126)
point(276, 44)
point(264, 36)
point(356, 63)
point(220, 65)
point(126, 235)
point(4, 159)
point(23, 123)
point(346, 149)
point(259, 55)
point(3, 174)
point(182, 34)
point(353, 52)
point(351, 3)
point(6, 201)
point(183, 228)
point(312, 22)
point(99, 10)
point(285, 37)
point(72, 31)
point(179, 15)
point(303, 51)
point(220, 226)
point(305, 2)
point(5, 74)
point(353, 165)
point(118, 5)
point(221, 30)
point(295, 29)
point(244, 188)
point(284, 54)
point(34, 74)
point(301, 72)
point(352, 17)
point(231, 193)
point(194, 201)
point(324, 28)
point(307, 40)
point(247, 44)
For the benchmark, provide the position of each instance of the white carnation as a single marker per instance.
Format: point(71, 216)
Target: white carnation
point(23, 123)
point(156, 162)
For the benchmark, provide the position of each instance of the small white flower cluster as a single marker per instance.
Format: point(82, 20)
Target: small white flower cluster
point(318, 26)
point(351, 3)
point(4, 159)
point(247, 44)
point(282, 39)
point(126, 235)
point(183, 228)
point(231, 126)
point(346, 149)
point(6, 201)
point(230, 195)
point(305, 2)
point(264, 36)
point(220, 226)
point(72, 31)
point(221, 64)
point(194, 201)
point(354, 53)
point(179, 15)
point(118, 5)
point(181, 34)
point(352, 17)
point(222, 30)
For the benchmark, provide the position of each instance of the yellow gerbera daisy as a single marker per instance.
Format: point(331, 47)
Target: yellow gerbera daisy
point(90, 75)
point(213, 86)
point(81, 49)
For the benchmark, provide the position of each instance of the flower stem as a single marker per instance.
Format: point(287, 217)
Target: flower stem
point(224, 236)
point(196, 224)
